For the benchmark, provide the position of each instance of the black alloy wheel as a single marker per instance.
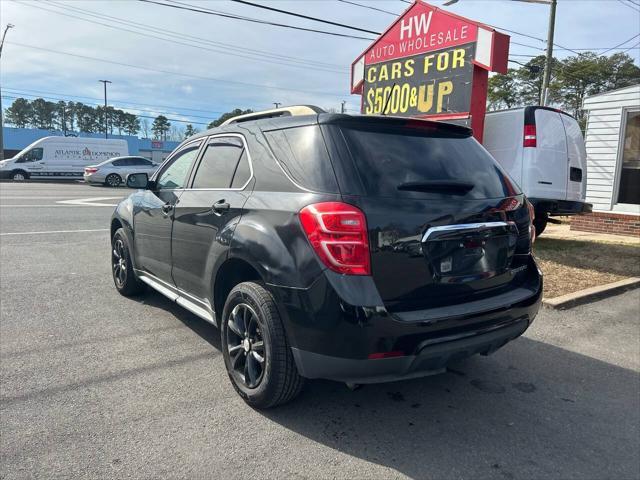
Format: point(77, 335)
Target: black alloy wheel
point(113, 180)
point(246, 345)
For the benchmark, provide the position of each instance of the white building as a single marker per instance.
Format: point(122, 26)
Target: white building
point(613, 162)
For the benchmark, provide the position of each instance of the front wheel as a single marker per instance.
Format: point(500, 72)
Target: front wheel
point(124, 277)
point(255, 348)
point(19, 176)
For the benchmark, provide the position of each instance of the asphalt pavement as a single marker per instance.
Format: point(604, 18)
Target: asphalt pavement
point(95, 385)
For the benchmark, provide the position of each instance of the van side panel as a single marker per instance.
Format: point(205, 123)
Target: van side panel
point(67, 157)
point(546, 167)
point(503, 139)
point(577, 182)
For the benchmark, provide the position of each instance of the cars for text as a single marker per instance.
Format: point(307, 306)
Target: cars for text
point(356, 249)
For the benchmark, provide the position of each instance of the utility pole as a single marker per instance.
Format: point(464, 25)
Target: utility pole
point(4, 34)
point(106, 132)
point(277, 104)
point(342, 104)
point(547, 64)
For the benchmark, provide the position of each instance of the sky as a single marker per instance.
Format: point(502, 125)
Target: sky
point(192, 67)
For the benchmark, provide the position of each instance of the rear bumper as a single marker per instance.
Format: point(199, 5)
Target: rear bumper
point(93, 178)
point(561, 207)
point(332, 339)
point(429, 360)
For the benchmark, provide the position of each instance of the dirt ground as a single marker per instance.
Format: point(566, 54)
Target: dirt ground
point(572, 265)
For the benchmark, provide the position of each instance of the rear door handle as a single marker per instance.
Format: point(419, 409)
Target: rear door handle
point(220, 206)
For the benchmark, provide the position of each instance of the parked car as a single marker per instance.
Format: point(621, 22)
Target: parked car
point(543, 150)
point(114, 171)
point(60, 157)
point(275, 227)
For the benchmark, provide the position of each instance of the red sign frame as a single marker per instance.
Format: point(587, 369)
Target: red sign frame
point(423, 28)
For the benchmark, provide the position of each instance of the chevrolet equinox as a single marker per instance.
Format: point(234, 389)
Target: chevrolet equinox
point(359, 249)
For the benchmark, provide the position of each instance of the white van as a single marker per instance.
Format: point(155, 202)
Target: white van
point(61, 157)
point(543, 151)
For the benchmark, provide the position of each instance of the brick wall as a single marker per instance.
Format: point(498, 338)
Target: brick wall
point(605, 222)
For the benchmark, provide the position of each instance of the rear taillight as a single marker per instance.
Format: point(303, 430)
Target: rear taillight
point(90, 170)
point(338, 234)
point(530, 139)
point(532, 217)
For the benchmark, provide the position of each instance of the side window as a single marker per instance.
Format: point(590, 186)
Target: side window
point(243, 171)
point(219, 163)
point(33, 155)
point(302, 153)
point(119, 163)
point(175, 173)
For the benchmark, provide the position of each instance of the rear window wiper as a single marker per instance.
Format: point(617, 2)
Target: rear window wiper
point(438, 186)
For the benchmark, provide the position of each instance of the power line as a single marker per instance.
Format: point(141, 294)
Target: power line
point(369, 7)
point(27, 90)
point(179, 74)
point(192, 8)
point(306, 17)
point(139, 116)
point(66, 99)
point(198, 39)
point(626, 41)
point(627, 5)
point(297, 64)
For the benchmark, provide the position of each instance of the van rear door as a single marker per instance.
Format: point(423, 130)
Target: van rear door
point(577, 177)
point(546, 173)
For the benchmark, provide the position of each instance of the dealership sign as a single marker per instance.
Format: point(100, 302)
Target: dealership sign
point(430, 64)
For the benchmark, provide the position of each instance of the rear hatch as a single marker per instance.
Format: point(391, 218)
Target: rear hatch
point(446, 224)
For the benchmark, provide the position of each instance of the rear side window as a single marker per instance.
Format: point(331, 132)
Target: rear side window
point(119, 163)
point(302, 153)
point(223, 163)
point(415, 163)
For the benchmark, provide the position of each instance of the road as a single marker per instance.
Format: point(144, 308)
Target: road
point(95, 385)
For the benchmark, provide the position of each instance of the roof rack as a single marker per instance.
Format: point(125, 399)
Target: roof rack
point(292, 111)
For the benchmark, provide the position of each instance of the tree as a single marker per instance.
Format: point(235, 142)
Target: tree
point(226, 116)
point(189, 131)
point(144, 126)
point(19, 113)
point(503, 90)
point(589, 74)
point(42, 114)
point(160, 127)
point(131, 124)
point(86, 118)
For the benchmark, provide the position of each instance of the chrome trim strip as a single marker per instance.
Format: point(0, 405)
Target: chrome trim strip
point(465, 226)
point(156, 284)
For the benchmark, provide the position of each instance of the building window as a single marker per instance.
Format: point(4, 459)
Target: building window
point(629, 186)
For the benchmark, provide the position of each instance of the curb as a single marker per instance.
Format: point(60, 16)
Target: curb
point(591, 294)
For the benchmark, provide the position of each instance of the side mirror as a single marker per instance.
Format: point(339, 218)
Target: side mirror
point(137, 180)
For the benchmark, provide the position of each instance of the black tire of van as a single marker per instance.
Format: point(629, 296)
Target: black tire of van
point(540, 222)
point(20, 174)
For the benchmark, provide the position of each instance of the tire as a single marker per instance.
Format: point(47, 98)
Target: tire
point(249, 317)
point(113, 180)
point(540, 222)
point(19, 176)
point(124, 278)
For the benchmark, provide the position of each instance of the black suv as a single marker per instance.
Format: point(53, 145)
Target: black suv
point(352, 248)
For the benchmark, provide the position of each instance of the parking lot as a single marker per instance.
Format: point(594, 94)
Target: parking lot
point(96, 385)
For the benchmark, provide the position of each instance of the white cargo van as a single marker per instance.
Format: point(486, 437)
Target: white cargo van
point(543, 150)
point(61, 157)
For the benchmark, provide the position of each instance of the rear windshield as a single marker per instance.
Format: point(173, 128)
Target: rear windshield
point(411, 162)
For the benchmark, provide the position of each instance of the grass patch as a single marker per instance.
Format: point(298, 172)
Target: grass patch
point(572, 265)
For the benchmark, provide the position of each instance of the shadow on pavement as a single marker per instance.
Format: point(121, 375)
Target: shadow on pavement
point(532, 410)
